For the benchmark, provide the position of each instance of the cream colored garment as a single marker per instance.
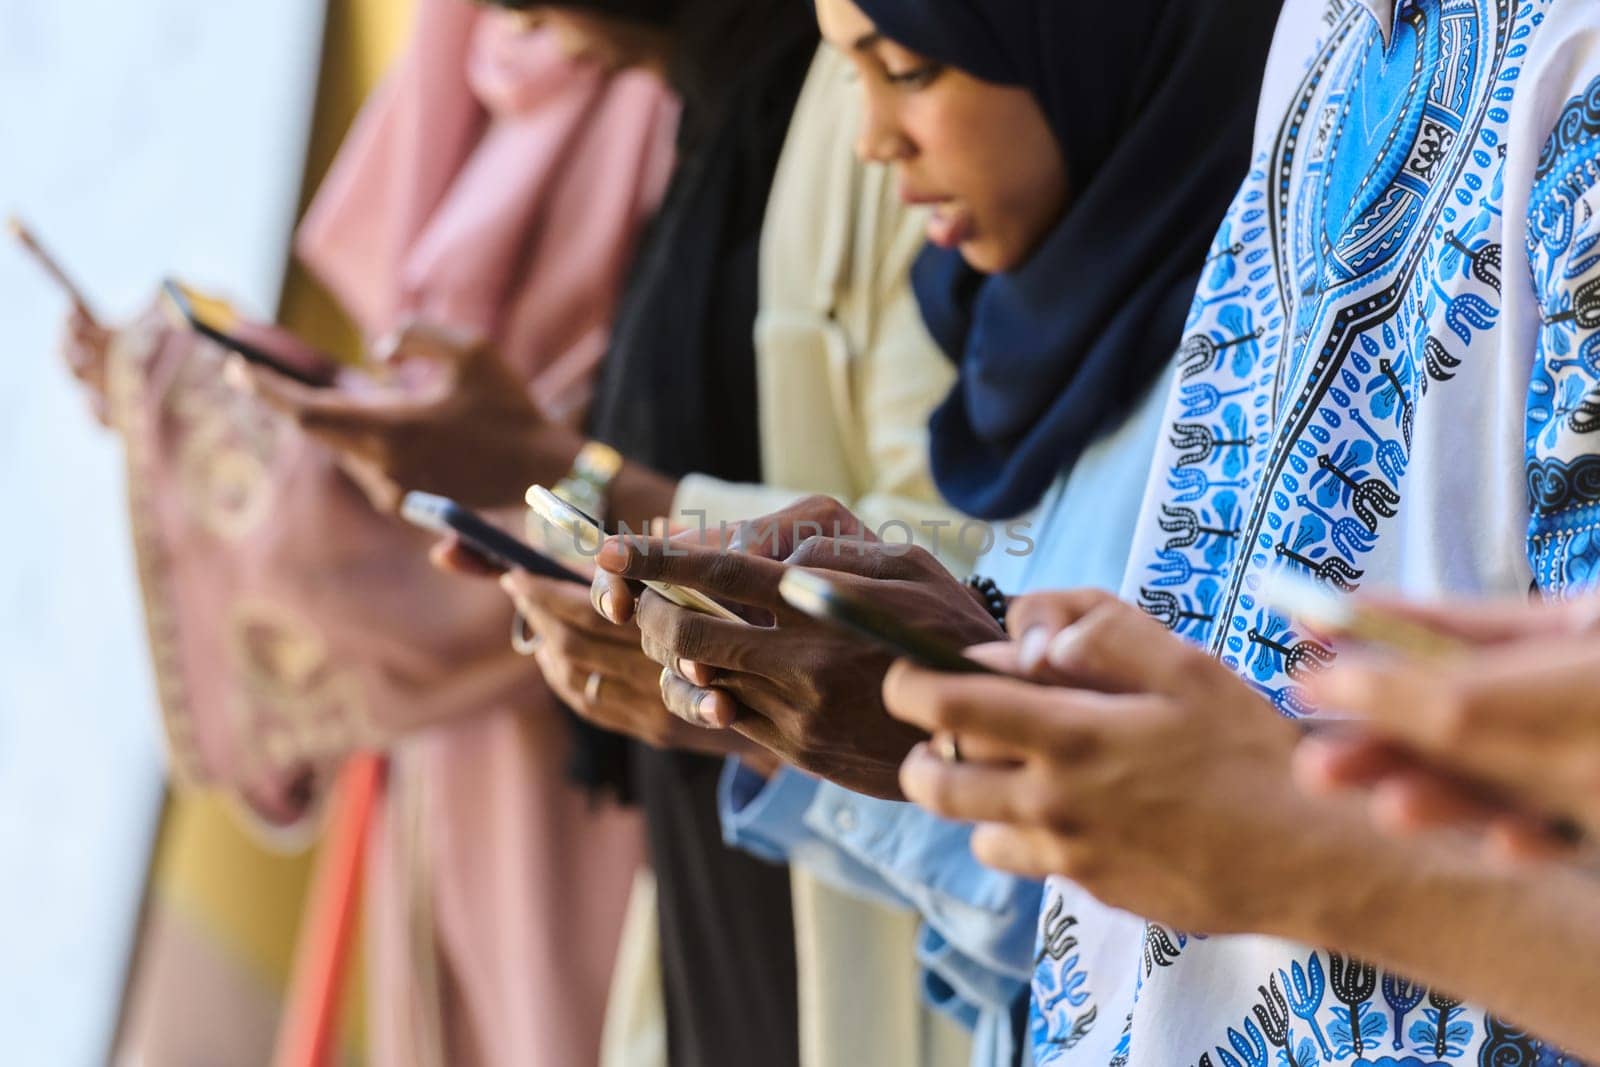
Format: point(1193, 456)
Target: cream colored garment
point(848, 376)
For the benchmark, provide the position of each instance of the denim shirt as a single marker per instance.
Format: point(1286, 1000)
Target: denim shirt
point(976, 948)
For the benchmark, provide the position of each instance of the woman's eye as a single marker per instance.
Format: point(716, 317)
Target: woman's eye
point(916, 77)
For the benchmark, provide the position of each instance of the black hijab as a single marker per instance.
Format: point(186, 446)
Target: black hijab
point(1153, 103)
point(677, 389)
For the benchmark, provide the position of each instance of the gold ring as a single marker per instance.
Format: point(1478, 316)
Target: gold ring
point(524, 638)
point(947, 748)
point(591, 688)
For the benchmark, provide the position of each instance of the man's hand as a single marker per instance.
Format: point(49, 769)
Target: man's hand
point(1504, 739)
point(1131, 762)
point(797, 686)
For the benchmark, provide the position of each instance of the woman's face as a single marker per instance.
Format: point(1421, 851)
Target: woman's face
point(981, 154)
point(610, 42)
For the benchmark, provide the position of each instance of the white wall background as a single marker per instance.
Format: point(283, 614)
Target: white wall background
point(139, 138)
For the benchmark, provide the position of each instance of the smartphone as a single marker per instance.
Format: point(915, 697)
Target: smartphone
point(270, 346)
point(443, 515)
point(587, 537)
point(817, 596)
point(1329, 613)
point(30, 244)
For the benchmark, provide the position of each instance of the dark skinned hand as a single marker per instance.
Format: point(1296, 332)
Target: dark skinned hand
point(799, 687)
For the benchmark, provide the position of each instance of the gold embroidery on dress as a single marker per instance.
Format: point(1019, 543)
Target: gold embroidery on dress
point(302, 707)
point(226, 444)
point(129, 360)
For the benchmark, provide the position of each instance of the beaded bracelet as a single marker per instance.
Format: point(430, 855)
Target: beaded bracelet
point(994, 601)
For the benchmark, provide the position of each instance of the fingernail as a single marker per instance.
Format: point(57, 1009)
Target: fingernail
point(704, 710)
point(1034, 645)
point(613, 556)
point(606, 608)
point(695, 672)
point(1059, 648)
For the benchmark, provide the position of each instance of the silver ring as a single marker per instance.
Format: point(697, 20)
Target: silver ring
point(591, 688)
point(524, 638)
point(947, 748)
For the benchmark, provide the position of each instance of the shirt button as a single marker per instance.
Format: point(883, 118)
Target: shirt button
point(844, 818)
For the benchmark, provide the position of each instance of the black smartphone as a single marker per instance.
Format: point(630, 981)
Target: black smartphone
point(272, 347)
point(443, 515)
point(824, 600)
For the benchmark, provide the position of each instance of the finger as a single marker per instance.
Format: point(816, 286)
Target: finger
point(672, 635)
point(1415, 801)
point(876, 561)
point(1330, 763)
point(1492, 621)
point(1034, 619)
point(1005, 657)
point(562, 605)
point(1029, 851)
point(1519, 838)
point(777, 535)
point(962, 792)
point(427, 340)
point(453, 556)
point(1001, 656)
point(332, 414)
point(725, 575)
point(1117, 648)
point(1017, 716)
point(614, 598)
point(706, 708)
point(288, 397)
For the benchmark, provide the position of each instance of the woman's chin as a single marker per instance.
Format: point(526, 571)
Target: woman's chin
point(987, 257)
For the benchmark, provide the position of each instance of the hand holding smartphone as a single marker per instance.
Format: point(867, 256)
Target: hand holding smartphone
point(269, 346)
point(1349, 617)
point(442, 515)
point(826, 601)
point(587, 537)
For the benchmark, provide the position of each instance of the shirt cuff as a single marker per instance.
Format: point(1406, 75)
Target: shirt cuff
point(764, 816)
point(988, 916)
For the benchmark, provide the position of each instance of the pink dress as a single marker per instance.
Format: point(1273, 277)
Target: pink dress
point(491, 184)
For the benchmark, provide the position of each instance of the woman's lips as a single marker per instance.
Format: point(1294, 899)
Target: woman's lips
point(950, 226)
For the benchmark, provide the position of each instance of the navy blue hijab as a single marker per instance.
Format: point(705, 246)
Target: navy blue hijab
point(1153, 103)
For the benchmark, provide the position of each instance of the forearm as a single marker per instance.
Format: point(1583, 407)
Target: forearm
point(639, 495)
point(1522, 942)
point(636, 495)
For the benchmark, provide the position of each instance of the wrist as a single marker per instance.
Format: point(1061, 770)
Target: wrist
point(548, 451)
point(1358, 891)
point(587, 484)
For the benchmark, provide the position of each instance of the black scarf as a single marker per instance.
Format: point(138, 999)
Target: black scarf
point(677, 388)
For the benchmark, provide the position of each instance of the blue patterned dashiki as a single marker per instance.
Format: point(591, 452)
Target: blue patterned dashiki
point(1390, 377)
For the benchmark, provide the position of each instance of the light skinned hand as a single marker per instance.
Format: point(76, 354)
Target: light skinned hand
point(1503, 739)
point(1158, 779)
